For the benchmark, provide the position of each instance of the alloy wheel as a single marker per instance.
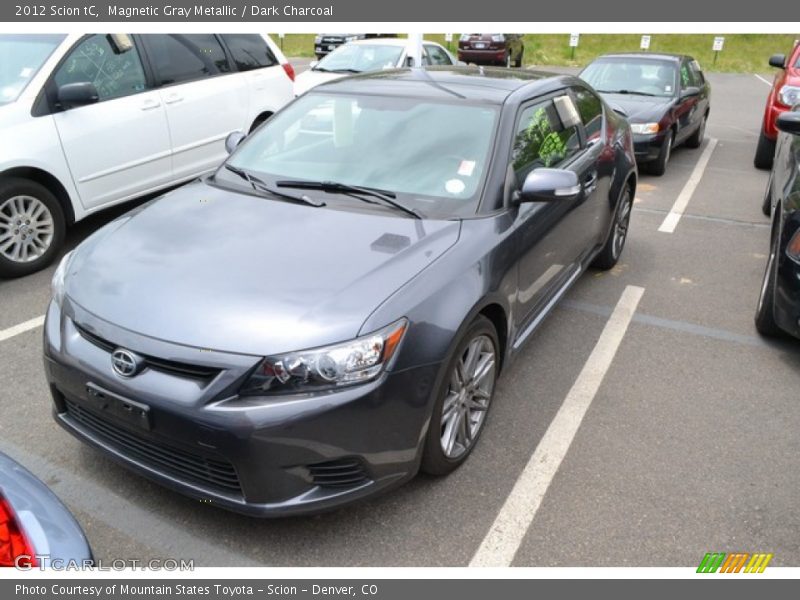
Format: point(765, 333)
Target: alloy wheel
point(621, 224)
point(26, 229)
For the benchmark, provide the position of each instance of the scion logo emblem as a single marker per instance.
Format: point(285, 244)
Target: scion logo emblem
point(125, 362)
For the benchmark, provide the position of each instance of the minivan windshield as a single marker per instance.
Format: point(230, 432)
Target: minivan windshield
point(22, 56)
point(432, 154)
point(630, 75)
point(360, 57)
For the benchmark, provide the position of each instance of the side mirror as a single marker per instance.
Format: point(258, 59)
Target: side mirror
point(778, 61)
point(313, 64)
point(233, 140)
point(690, 91)
point(789, 122)
point(72, 95)
point(547, 185)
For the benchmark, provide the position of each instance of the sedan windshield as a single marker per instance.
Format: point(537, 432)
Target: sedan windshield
point(361, 57)
point(23, 55)
point(645, 77)
point(432, 155)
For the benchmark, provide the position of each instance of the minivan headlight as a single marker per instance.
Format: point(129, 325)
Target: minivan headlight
point(57, 284)
point(789, 95)
point(357, 361)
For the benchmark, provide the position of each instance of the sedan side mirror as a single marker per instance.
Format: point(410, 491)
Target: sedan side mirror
point(547, 185)
point(73, 95)
point(233, 140)
point(789, 122)
point(778, 61)
point(690, 91)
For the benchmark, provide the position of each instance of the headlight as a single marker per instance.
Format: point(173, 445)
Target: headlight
point(789, 95)
point(498, 37)
point(57, 283)
point(644, 128)
point(317, 39)
point(357, 361)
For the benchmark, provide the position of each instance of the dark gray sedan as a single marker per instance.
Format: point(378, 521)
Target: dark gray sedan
point(329, 312)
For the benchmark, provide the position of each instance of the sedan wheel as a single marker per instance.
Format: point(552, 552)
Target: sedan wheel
point(463, 399)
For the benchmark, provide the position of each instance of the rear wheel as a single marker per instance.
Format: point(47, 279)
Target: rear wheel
point(518, 61)
point(765, 311)
point(463, 399)
point(32, 227)
point(659, 166)
point(612, 249)
point(765, 152)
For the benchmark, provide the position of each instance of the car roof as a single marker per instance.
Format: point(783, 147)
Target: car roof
point(493, 85)
point(652, 55)
point(386, 42)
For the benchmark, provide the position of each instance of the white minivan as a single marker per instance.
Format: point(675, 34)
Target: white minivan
point(89, 121)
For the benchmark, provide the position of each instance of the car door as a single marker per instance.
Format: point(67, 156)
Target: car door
point(686, 113)
point(119, 147)
point(437, 55)
point(551, 236)
point(204, 99)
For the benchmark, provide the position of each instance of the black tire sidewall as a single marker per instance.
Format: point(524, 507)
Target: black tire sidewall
point(434, 461)
point(24, 187)
point(605, 258)
point(765, 309)
point(659, 166)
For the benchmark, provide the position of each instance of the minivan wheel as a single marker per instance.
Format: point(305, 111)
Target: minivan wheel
point(765, 152)
point(32, 227)
point(765, 310)
point(463, 399)
point(612, 249)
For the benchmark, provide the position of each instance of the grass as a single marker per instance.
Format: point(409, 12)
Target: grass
point(743, 53)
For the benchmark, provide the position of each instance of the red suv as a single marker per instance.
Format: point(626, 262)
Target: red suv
point(785, 93)
point(504, 49)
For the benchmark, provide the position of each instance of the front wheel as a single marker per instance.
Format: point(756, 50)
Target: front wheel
point(765, 152)
point(765, 310)
point(697, 137)
point(659, 166)
point(463, 399)
point(32, 227)
point(766, 204)
point(611, 251)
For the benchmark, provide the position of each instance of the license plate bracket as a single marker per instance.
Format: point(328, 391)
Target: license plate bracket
point(121, 408)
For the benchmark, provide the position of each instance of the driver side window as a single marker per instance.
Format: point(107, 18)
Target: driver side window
point(94, 61)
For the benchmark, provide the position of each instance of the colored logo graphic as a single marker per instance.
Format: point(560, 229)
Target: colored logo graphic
point(736, 562)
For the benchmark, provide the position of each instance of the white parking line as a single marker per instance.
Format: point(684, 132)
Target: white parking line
point(671, 220)
point(21, 328)
point(760, 78)
point(515, 517)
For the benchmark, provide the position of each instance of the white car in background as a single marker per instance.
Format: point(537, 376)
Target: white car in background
point(90, 121)
point(368, 55)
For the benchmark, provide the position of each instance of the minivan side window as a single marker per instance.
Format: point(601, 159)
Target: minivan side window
point(180, 58)
point(590, 107)
point(249, 51)
point(94, 61)
point(437, 56)
point(541, 140)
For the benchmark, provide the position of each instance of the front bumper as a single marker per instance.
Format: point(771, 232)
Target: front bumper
point(648, 147)
point(258, 456)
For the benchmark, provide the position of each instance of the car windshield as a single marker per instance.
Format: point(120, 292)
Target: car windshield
point(23, 55)
point(644, 76)
point(361, 57)
point(432, 154)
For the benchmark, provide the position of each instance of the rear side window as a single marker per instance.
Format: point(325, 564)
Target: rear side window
point(437, 56)
point(249, 51)
point(182, 58)
point(697, 73)
point(541, 140)
point(94, 60)
point(590, 108)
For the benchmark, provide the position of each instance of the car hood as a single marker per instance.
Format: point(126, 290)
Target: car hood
point(232, 272)
point(639, 109)
point(309, 79)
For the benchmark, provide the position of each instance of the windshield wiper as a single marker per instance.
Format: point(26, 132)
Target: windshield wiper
point(260, 185)
point(631, 92)
point(345, 70)
point(333, 187)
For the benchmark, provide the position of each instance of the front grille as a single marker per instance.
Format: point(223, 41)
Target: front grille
point(159, 364)
point(338, 473)
point(215, 473)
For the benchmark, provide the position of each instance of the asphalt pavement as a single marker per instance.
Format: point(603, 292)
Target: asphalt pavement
point(688, 443)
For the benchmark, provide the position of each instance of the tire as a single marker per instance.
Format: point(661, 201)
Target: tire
point(765, 152)
point(20, 255)
point(697, 137)
point(659, 166)
point(766, 204)
point(456, 399)
point(518, 61)
point(612, 249)
point(765, 309)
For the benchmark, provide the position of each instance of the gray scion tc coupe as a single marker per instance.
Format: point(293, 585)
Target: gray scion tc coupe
point(328, 312)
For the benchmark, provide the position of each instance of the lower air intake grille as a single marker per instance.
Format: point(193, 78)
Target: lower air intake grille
point(338, 473)
point(214, 473)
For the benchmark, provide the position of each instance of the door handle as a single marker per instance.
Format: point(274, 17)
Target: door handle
point(150, 104)
point(173, 98)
